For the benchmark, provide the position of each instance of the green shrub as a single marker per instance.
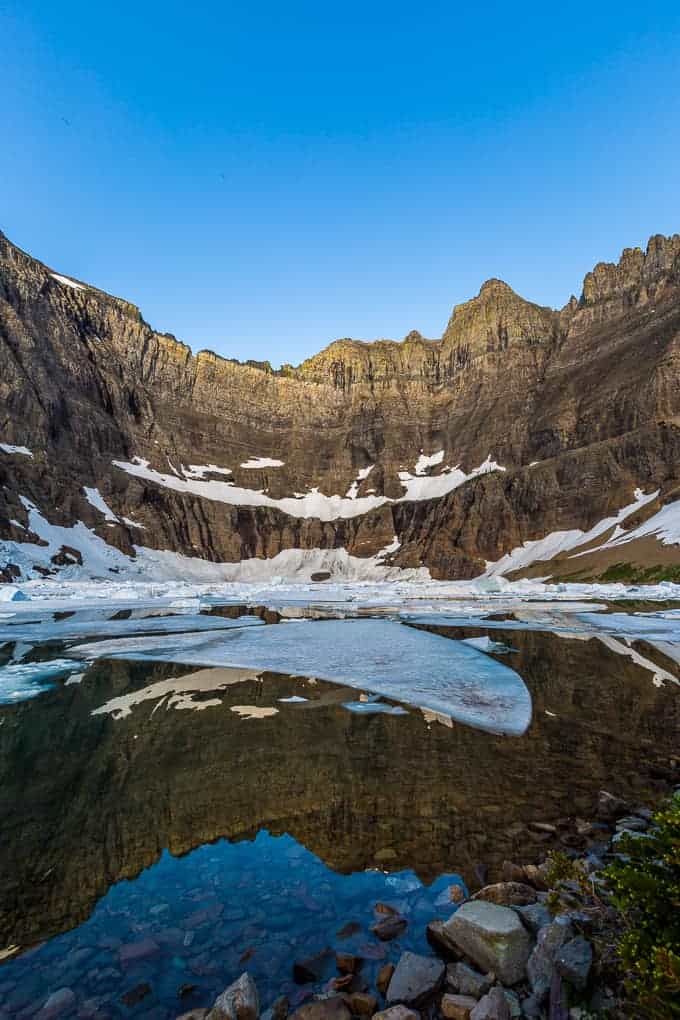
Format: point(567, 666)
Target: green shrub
point(645, 889)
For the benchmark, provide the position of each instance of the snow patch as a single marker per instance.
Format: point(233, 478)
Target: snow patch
point(420, 486)
point(67, 282)
point(425, 462)
point(261, 462)
point(8, 448)
point(95, 499)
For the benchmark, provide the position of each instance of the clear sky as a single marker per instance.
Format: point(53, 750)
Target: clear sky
point(264, 177)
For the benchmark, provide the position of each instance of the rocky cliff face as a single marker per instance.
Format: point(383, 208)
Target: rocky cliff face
point(579, 407)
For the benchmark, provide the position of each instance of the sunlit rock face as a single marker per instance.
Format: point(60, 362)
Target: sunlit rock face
point(578, 406)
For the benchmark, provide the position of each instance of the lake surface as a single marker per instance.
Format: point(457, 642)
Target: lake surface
point(170, 823)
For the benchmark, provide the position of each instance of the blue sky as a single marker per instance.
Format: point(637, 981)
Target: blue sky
point(263, 178)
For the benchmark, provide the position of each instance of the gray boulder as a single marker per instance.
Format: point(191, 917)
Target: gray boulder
point(467, 980)
point(494, 1006)
point(239, 1001)
point(492, 936)
point(415, 980)
point(542, 960)
point(535, 916)
point(574, 960)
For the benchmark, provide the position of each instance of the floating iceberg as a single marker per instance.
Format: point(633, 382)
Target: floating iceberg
point(381, 656)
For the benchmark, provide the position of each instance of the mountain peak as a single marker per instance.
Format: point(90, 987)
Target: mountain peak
point(495, 286)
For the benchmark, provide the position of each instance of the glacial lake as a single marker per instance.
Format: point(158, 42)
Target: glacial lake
point(168, 822)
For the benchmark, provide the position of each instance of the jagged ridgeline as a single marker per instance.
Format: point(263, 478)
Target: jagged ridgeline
point(441, 455)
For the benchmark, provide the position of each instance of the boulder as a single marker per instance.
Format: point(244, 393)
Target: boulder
point(535, 916)
point(436, 936)
point(332, 1008)
point(239, 1001)
point(467, 980)
point(507, 894)
point(415, 980)
point(541, 962)
point(397, 1013)
point(494, 1006)
point(574, 960)
point(492, 936)
point(457, 1007)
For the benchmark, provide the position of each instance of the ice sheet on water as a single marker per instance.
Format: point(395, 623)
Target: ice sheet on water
point(380, 656)
point(83, 625)
point(485, 644)
point(22, 681)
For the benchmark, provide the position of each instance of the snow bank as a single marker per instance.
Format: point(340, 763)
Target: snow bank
point(8, 448)
point(261, 462)
point(421, 486)
point(95, 499)
point(558, 542)
point(67, 282)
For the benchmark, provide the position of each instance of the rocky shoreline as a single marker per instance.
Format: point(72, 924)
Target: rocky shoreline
point(539, 944)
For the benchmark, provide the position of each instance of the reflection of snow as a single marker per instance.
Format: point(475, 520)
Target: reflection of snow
point(177, 692)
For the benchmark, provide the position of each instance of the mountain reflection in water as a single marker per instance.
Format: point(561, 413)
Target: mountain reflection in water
point(88, 800)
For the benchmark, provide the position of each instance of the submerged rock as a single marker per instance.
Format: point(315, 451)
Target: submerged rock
point(239, 1001)
point(492, 936)
point(390, 927)
point(332, 1008)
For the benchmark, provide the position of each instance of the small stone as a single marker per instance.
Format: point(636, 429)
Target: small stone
point(507, 894)
point(390, 927)
point(397, 1013)
point(239, 1001)
point(534, 915)
point(492, 936)
point(332, 1008)
point(644, 812)
point(311, 968)
point(347, 930)
point(543, 827)
point(135, 994)
point(512, 872)
point(574, 961)
point(493, 1006)
point(531, 1008)
point(415, 980)
point(632, 823)
point(457, 1007)
point(347, 963)
point(362, 1004)
point(384, 977)
point(609, 807)
point(185, 990)
point(133, 952)
point(535, 875)
point(200, 1013)
point(452, 894)
point(540, 966)
point(467, 980)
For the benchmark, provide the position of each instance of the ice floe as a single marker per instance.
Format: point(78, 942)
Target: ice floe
point(379, 656)
point(21, 681)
